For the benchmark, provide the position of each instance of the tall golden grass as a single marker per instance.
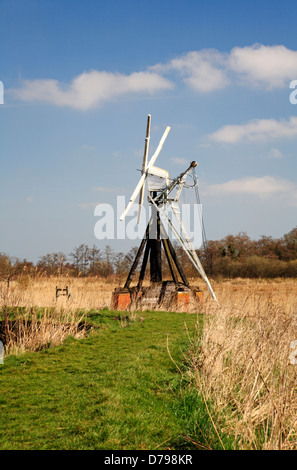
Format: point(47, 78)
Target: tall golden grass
point(34, 331)
point(44, 320)
point(85, 293)
point(243, 362)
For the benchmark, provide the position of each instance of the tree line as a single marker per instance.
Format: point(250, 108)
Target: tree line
point(232, 256)
point(82, 261)
point(239, 256)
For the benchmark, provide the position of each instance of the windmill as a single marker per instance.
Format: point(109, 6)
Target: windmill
point(163, 192)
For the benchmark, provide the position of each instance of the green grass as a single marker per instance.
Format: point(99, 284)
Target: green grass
point(116, 389)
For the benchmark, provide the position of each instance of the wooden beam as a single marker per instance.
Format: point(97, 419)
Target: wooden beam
point(137, 258)
point(155, 248)
point(144, 264)
point(171, 264)
point(177, 263)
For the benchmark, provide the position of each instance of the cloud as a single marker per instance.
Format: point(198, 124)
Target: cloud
point(87, 205)
point(203, 70)
point(87, 148)
point(179, 161)
point(104, 189)
point(263, 187)
point(91, 89)
point(276, 154)
point(251, 185)
point(256, 130)
point(268, 66)
point(208, 70)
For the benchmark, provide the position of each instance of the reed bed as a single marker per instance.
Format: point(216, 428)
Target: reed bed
point(85, 293)
point(33, 318)
point(33, 329)
point(244, 364)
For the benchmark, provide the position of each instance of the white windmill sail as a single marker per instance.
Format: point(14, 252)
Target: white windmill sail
point(145, 173)
point(144, 165)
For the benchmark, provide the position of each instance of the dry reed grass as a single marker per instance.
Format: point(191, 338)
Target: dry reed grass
point(36, 329)
point(242, 362)
point(32, 331)
point(85, 293)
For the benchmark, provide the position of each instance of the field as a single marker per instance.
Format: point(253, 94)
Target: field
point(213, 377)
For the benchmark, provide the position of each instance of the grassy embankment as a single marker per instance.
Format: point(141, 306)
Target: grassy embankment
point(118, 388)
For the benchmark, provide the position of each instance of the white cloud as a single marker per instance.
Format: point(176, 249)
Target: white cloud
point(91, 89)
point(179, 161)
point(203, 70)
point(103, 189)
point(268, 66)
point(87, 148)
point(265, 185)
point(258, 65)
point(87, 205)
point(276, 154)
point(256, 130)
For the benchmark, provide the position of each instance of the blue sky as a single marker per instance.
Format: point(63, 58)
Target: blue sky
point(80, 79)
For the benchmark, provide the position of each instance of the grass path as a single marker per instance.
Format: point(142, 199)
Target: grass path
point(114, 389)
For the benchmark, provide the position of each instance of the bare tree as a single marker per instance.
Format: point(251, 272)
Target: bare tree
point(53, 263)
point(80, 259)
point(95, 258)
point(9, 267)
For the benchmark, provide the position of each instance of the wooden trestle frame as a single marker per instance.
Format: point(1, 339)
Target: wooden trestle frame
point(151, 246)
